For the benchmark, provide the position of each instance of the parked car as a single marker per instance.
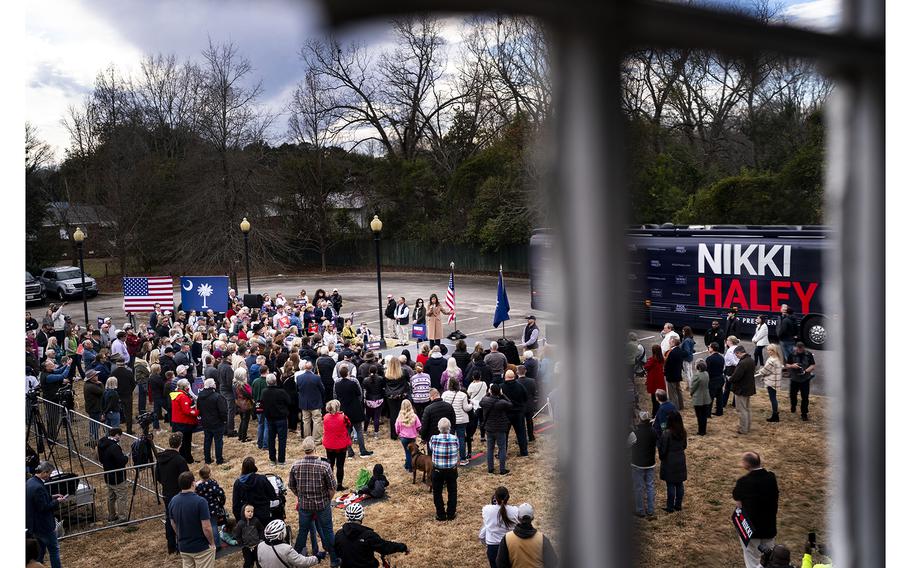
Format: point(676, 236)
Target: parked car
point(66, 281)
point(34, 291)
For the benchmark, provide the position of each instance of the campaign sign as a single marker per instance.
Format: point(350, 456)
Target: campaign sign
point(419, 331)
point(203, 293)
point(743, 528)
point(373, 346)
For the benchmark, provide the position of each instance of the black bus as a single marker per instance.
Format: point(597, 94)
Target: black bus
point(690, 275)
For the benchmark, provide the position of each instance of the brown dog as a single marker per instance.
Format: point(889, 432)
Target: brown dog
point(420, 462)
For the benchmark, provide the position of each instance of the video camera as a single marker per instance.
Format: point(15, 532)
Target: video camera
point(66, 397)
point(31, 396)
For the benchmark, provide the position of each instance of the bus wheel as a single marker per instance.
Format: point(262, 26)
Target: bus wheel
point(815, 332)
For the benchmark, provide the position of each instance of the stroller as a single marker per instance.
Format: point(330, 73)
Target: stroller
point(277, 506)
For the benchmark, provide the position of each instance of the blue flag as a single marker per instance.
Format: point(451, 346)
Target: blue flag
point(203, 293)
point(502, 303)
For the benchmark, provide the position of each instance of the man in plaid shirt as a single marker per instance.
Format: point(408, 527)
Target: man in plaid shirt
point(313, 482)
point(444, 450)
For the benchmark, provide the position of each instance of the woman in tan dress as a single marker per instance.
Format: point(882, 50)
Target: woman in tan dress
point(434, 320)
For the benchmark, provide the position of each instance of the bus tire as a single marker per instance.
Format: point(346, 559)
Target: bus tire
point(815, 332)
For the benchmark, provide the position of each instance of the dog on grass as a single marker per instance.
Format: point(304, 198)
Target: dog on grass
point(420, 462)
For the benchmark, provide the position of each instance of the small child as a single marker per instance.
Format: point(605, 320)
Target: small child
point(376, 486)
point(248, 532)
point(214, 495)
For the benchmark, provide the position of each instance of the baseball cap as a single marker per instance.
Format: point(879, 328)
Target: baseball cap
point(739, 349)
point(525, 511)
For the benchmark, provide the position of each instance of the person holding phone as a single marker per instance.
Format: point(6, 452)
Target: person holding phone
point(39, 513)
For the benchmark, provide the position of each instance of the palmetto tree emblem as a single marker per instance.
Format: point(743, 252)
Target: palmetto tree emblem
point(205, 290)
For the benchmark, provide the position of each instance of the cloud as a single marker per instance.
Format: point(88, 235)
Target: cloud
point(820, 15)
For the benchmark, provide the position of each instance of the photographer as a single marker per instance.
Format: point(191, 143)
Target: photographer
point(775, 556)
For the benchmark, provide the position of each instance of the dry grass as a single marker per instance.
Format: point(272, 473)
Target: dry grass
point(702, 534)
point(408, 516)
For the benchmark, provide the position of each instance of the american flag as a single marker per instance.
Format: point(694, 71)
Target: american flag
point(141, 293)
point(450, 297)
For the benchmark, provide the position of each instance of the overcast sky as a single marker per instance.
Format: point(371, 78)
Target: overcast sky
point(69, 41)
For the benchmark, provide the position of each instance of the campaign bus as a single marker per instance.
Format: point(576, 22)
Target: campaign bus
point(691, 275)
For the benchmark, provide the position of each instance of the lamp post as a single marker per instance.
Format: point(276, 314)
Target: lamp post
point(79, 236)
point(376, 226)
point(245, 228)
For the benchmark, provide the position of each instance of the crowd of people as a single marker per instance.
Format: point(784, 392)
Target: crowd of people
point(294, 367)
point(658, 439)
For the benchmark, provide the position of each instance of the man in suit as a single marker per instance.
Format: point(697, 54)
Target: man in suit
point(756, 494)
point(673, 369)
point(742, 385)
point(310, 398)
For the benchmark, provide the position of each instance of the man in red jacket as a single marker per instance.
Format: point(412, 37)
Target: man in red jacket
point(184, 417)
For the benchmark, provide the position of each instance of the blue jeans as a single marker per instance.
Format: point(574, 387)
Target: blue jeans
point(112, 419)
point(143, 396)
point(323, 522)
point(262, 432)
point(675, 494)
point(460, 430)
point(277, 428)
point(772, 395)
point(216, 533)
point(497, 439)
point(357, 427)
point(216, 435)
point(407, 453)
point(93, 427)
point(643, 481)
point(48, 543)
point(787, 348)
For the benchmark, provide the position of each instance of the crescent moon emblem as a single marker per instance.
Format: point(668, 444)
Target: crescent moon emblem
point(190, 282)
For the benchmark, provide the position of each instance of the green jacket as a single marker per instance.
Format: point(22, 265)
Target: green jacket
point(699, 389)
point(807, 563)
point(258, 386)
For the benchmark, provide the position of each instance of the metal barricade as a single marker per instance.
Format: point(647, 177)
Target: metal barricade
point(96, 500)
point(102, 500)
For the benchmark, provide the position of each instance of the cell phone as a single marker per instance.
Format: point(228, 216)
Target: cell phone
point(812, 539)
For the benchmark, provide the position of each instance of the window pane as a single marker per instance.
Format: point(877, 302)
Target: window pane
point(818, 15)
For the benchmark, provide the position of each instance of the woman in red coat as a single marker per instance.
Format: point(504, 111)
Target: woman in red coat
point(184, 417)
point(655, 369)
point(335, 438)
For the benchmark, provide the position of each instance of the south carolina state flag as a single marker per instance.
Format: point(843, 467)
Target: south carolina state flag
point(203, 293)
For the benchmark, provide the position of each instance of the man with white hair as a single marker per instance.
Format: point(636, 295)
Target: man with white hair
point(667, 334)
point(213, 414)
point(496, 361)
point(531, 364)
point(444, 451)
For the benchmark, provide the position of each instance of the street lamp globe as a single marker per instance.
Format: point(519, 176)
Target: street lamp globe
point(376, 224)
point(245, 226)
point(78, 236)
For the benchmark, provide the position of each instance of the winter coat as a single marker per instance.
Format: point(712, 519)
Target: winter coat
point(126, 383)
point(699, 389)
point(461, 404)
point(495, 414)
point(92, 392)
point(655, 376)
point(772, 372)
point(672, 454)
point(168, 467)
point(742, 381)
point(212, 409)
point(310, 392)
point(513, 391)
point(335, 431)
point(141, 371)
point(349, 394)
point(510, 558)
point(182, 410)
point(248, 533)
point(434, 367)
point(112, 458)
point(275, 403)
point(357, 545)
point(485, 373)
point(463, 358)
point(374, 387)
point(644, 447)
point(673, 365)
point(432, 414)
point(397, 389)
point(253, 489)
point(759, 494)
point(760, 339)
point(715, 336)
point(434, 321)
point(282, 555)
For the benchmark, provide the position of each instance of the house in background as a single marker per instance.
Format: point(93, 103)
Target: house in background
point(96, 221)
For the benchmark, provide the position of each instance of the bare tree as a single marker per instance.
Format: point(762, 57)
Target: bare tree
point(38, 153)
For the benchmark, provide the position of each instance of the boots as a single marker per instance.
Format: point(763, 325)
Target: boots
point(774, 418)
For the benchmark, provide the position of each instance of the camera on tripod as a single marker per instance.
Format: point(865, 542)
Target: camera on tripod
point(145, 420)
point(31, 396)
